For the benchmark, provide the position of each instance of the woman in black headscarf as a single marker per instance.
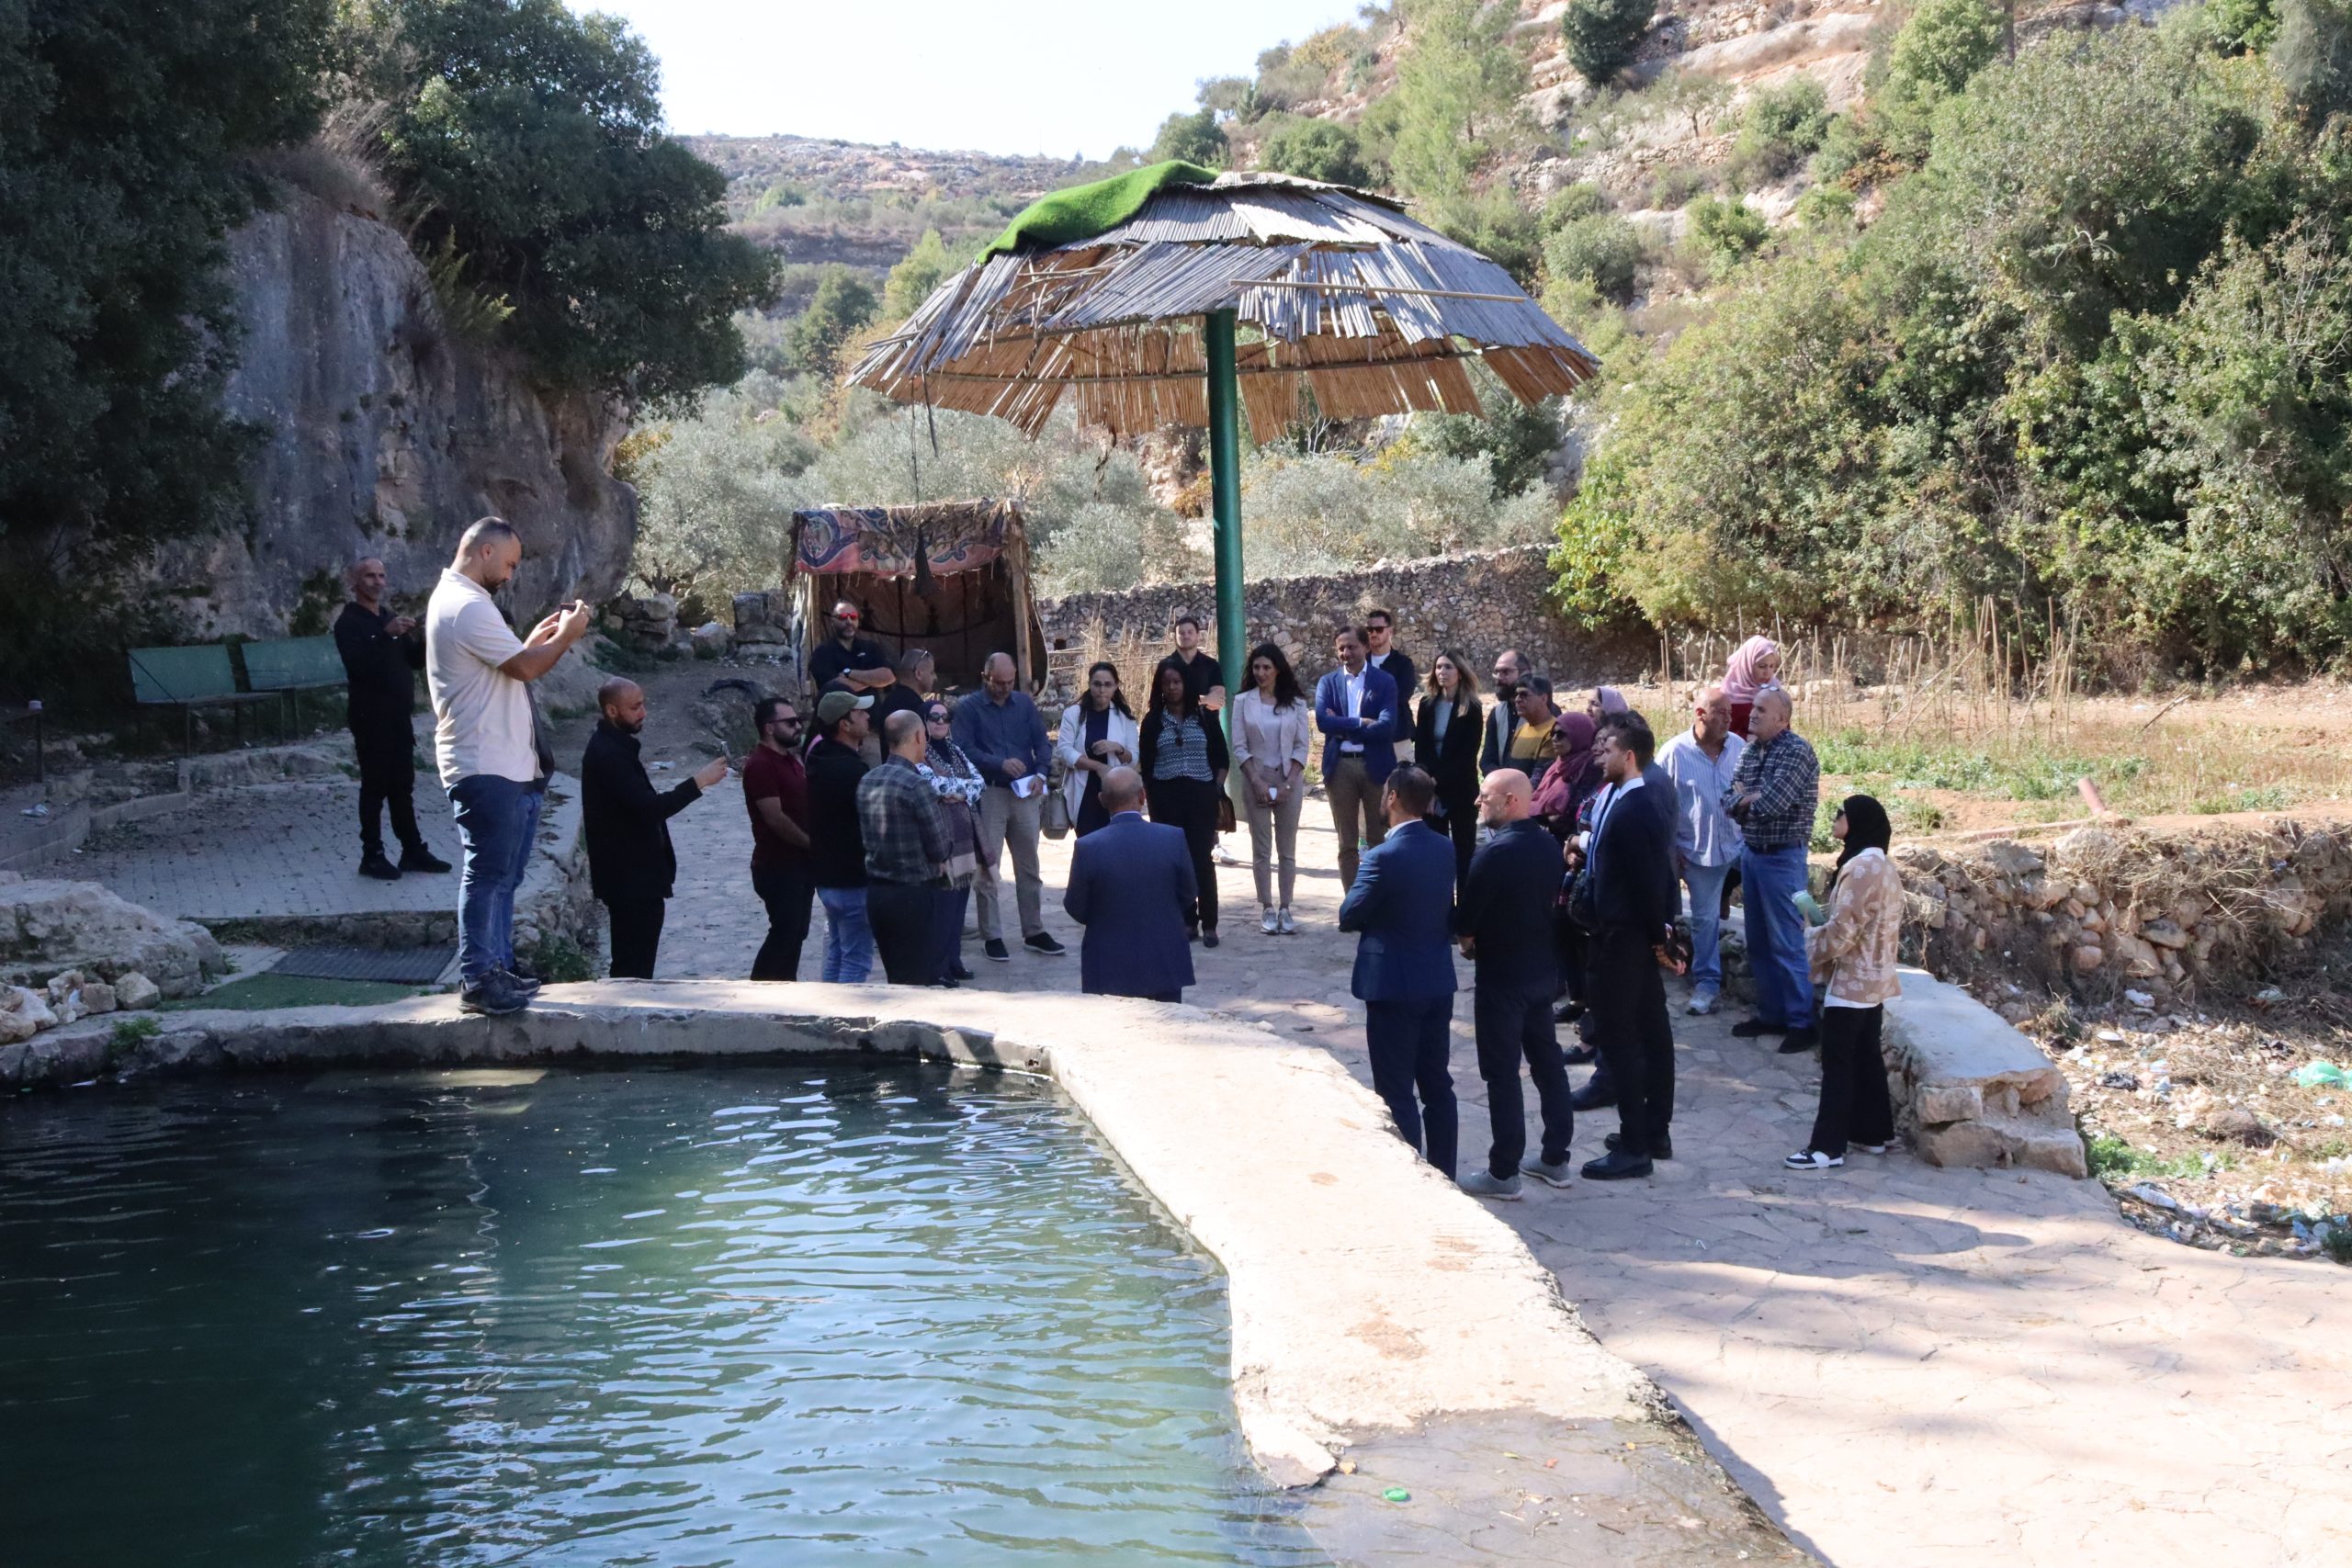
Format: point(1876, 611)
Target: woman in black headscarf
point(1853, 957)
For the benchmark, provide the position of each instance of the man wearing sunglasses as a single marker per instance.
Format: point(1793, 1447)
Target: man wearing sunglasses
point(858, 663)
point(775, 792)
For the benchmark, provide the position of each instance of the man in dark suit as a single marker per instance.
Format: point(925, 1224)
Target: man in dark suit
point(1356, 709)
point(1382, 653)
point(1632, 868)
point(1401, 901)
point(627, 824)
point(1130, 883)
point(1506, 927)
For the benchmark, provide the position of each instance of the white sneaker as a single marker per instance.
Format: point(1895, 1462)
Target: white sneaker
point(1701, 1004)
point(1871, 1148)
point(1221, 856)
point(1267, 921)
point(1813, 1160)
point(1289, 926)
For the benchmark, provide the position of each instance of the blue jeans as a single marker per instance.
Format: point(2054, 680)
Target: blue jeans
point(849, 941)
point(1769, 881)
point(1706, 885)
point(1408, 1042)
point(497, 819)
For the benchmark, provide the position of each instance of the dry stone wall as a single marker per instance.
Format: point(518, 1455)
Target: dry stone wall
point(1475, 605)
point(2110, 910)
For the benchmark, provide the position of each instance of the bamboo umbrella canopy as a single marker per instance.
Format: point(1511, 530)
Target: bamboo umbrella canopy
point(1347, 297)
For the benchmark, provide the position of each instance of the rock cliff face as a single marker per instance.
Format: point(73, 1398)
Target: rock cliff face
point(386, 433)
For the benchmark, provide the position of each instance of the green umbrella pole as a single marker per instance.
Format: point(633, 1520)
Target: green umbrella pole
point(1225, 492)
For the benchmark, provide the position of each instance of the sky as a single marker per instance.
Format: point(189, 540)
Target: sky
point(1008, 76)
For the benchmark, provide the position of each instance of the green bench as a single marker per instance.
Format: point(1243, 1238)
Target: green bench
point(189, 679)
point(294, 664)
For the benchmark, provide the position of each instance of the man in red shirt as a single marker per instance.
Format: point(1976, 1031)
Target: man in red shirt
point(775, 792)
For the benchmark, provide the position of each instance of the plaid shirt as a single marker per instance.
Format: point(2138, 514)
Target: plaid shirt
point(897, 814)
point(1786, 777)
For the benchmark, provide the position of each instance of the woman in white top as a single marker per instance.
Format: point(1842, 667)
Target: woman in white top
point(1098, 734)
point(1271, 722)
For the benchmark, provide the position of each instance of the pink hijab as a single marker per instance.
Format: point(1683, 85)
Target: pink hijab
point(1611, 700)
point(1741, 682)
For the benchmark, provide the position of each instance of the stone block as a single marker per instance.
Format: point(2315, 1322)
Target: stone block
point(1972, 1089)
point(1937, 1103)
point(135, 992)
point(97, 997)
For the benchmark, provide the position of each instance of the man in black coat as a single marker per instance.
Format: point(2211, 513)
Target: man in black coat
point(382, 654)
point(626, 823)
point(1633, 902)
point(1505, 925)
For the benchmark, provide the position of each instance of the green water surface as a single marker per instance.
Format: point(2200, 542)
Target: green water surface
point(757, 1317)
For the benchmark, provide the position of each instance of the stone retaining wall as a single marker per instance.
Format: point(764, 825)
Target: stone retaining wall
point(2104, 909)
point(1475, 605)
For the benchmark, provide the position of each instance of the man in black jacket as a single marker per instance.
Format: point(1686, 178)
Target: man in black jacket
point(1633, 902)
point(382, 654)
point(626, 823)
point(1504, 924)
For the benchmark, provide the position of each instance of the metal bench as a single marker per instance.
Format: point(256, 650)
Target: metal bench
point(189, 679)
point(293, 664)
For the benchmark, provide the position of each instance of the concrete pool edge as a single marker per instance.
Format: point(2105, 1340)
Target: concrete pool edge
point(1374, 1305)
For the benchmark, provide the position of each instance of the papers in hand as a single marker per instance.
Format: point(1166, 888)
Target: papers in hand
point(1028, 785)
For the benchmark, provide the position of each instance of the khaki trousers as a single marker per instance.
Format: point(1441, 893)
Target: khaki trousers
point(1273, 833)
point(1003, 817)
point(1356, 813)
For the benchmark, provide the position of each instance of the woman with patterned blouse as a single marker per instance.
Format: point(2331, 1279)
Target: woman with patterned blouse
point(956, 781)
point(1852, 958)
point(1183, 761)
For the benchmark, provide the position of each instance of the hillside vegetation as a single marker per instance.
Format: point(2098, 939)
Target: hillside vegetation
point(1902, 309)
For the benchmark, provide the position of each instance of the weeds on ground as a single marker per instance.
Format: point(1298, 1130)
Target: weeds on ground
point(2111, 1156)
point(559, 960)
point(128, 1033)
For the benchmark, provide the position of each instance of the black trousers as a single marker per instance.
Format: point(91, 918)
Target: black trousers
point(1409, 1042)
point(1461, 824)
point(1190, 804)
point(904, 917)
point(387, 754)
point(1514, 1024)
point(1854, 1100)
point(1627, 999)
point(788, 895)
point(636, 925)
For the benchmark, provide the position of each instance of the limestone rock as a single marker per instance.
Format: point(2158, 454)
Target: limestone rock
point(49, 927)
point(2163, 933)
point(2012, 859)
point(135, 992)
point(97, 997)
point(62, 986)
point(2236, 1125)
point(31, 1006)
point(16, 1027)
point(570, 687)
point(711, 639)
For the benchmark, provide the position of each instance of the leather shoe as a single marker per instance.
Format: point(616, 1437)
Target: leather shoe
point(377, 867)
point(957, 971)
point(1618, 1166)
point(417, 857)
point(1803, 1039)
point(1567, 1012)
point(1662, 1149)
point(1588, 1098)
point(1755, 1029)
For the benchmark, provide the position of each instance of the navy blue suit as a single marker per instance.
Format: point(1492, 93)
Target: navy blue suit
point(1402, 905)
point(1635, 898)
point(1373, 724)
point(1130, 883)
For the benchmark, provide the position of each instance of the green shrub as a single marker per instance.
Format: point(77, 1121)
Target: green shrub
point(1603, 35)
point(2241, 26)
point(1582, 199)
point(1727, 230)
point(842, 306)
point(1782, 127)
point(1604, 249)
point(1826, 207)
point(128, 1033)
point(1195, 138)
point(1674, 185)
point(1315, 150)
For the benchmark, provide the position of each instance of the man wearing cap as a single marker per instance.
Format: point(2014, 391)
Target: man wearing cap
point(836, 842)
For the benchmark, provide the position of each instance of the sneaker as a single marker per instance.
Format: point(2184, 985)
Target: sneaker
point(1558, 1174)
point(377, 867)
point(1616, 1166)
point(1269, 922)
point(996, 951)
point(1289, 926)
point(1208, 938)
point(1868, 1148)
point(417, 857)
point(1803, 1039)
point(524, 981)
point(1755, 1029)
point(496, 997)
point(1701, 1004)
point(1502, 1189)
point(1220, 856)
point(1662, 1149)
point(1813, 1160)
point(1043, 944)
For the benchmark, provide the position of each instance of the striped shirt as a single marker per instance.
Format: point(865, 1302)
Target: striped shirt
point(1182, 752)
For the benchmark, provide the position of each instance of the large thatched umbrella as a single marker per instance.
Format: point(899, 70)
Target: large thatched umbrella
point(1126, 296)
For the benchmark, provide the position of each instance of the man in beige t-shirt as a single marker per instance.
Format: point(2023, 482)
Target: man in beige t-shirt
point(478, 672)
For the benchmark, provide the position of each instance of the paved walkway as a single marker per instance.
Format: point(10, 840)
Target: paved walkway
point(1905, 1366)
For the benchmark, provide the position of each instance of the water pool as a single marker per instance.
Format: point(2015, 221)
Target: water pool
point(767, 1316)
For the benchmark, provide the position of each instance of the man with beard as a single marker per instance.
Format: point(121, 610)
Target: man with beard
point(627, 824)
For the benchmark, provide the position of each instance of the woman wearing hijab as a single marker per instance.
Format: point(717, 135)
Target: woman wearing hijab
point(1853, 963)
point(1565, 794)
point(1755, 665)
point(1606, 700)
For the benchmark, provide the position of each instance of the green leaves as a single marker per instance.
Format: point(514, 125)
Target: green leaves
point(1601, 35)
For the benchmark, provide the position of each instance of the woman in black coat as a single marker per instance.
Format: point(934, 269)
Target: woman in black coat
point(1447, 733)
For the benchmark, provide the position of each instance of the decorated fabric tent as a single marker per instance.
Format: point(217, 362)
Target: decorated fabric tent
point(950, 576)
point(1129, 297)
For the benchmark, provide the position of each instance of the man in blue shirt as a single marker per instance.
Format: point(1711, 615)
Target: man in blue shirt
point(1356, 709)
point(1002, 732)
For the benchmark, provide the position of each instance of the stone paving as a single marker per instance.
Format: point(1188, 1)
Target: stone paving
point(1905, 1365)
